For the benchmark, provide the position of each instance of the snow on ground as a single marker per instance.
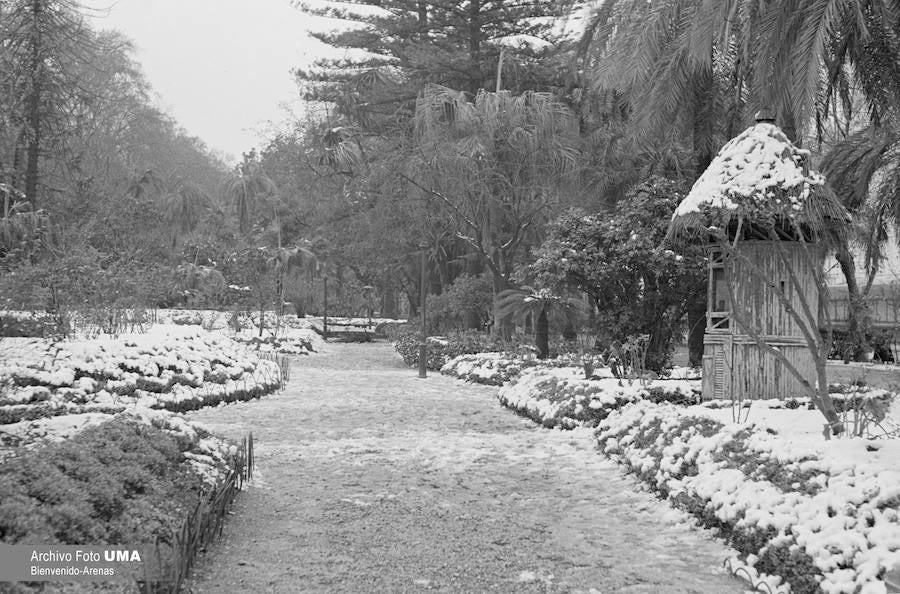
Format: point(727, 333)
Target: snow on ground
point(429, 480)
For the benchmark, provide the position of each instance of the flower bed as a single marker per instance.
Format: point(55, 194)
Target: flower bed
point(492, 369)
point(809, 513)
point(169, 367)
point(127, 480)
point(287, 341)
point(561, 397)
point(498, 368)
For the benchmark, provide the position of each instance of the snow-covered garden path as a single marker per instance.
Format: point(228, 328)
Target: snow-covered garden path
point(373, 480)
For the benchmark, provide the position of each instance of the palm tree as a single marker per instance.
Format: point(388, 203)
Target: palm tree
point(182, 202)
point(245, 188)
point(726, 58)
point(864, 170)
point(541, 305)
point(496, 165)
point(285, 260)
point(20, 226)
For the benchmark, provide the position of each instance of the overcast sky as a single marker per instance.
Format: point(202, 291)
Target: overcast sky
point(221, 68)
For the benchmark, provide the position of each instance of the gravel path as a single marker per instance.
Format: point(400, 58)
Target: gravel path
point(373, 480)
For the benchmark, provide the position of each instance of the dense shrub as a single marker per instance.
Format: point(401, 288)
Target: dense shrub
point(638, 289)
point(465, 304)
point(442, 348)
point(27, 324)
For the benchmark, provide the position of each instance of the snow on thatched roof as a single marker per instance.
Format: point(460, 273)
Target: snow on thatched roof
point(757, 175)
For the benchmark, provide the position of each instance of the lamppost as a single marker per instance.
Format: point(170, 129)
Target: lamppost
point(325, 305)
point(423, 348)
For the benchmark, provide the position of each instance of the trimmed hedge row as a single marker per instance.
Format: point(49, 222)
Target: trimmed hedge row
point(127, 481)
point(820, 528)
point(561, 397)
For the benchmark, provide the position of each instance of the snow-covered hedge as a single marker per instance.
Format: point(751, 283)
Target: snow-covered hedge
point(561, 397)
point(128, 479)
point(170, 367)
point(286, 335)
point(820, 525)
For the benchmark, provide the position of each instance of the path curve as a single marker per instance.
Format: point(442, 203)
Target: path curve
point(373, 480)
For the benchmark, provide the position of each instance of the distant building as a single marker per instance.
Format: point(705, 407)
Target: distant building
point(883, 298)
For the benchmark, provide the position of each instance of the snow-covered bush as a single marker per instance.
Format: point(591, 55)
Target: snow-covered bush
point(822, 526)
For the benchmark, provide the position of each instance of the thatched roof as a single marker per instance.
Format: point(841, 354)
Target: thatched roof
point(762, 177)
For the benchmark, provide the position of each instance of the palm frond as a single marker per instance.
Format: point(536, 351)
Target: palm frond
point(851, 163)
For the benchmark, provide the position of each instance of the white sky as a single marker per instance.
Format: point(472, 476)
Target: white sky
point(221, 68)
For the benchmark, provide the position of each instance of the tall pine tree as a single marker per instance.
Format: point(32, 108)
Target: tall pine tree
point(401, 45)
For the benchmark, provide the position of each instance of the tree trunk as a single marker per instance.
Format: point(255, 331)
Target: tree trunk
point(389, 302)
point(500, 328)
point(412, 298)
point(825, 403)
point(696, 316)
point(34, 110)
point(857, 314)
point(703, 156)
point(475, 78)
point(542, 335)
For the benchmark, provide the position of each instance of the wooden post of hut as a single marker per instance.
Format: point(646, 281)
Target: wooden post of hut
point(762, 212)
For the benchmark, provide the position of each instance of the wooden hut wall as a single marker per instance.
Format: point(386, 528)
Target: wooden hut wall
point(755, 298)
point(758, 374)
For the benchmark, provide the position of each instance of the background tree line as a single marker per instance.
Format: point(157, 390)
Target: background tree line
point(461, 131)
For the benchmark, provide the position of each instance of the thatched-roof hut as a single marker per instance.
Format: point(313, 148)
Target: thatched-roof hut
point(764, 213)
point(758, 177)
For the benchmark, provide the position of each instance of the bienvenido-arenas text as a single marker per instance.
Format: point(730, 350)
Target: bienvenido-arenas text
point(71, 570)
